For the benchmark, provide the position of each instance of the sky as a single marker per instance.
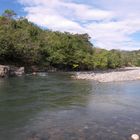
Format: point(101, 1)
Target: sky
point(111, 24)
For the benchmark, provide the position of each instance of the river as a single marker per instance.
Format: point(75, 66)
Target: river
point(56, 107)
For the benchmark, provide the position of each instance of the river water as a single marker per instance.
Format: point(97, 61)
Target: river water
point(56, 107)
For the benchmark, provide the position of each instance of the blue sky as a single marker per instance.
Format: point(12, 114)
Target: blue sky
point(112, 24)
point(12, 4)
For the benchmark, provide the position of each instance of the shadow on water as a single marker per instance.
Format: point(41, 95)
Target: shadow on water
point(56, 107)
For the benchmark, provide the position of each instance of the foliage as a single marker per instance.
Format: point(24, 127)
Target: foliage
point(24, 43)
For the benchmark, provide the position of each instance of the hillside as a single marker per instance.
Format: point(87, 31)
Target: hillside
point(23, 43)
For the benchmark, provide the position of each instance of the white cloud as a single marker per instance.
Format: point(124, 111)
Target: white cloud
point(110, 24)
point(52, 20)
point(85, 12)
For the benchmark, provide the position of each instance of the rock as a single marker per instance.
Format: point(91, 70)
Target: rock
point(86, 127)
point(123, 74)
point(135, 137)
point(20, 71)
point(42, 74)
point(16, 71)
point(34, 73)
point(4, 71)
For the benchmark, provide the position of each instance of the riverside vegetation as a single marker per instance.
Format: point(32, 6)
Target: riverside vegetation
point(22, 43)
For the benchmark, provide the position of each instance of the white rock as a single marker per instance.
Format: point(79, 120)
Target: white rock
point(4, 70)
point(125, 74)
point(135, 137)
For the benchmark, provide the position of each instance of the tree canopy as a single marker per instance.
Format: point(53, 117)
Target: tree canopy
point(24, 43)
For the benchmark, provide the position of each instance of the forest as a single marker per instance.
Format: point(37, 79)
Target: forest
point(23, 43)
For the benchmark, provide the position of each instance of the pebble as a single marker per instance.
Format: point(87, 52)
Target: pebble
point(135, 137)
point(86, 127)
point(125, 74)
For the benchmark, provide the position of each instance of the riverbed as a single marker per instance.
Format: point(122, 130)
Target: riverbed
point(111, 75)
point(57, 107)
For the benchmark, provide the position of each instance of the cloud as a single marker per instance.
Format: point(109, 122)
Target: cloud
point(110, 24)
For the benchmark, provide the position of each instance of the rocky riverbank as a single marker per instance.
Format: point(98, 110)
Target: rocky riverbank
point(6, 71)
point(122, 74)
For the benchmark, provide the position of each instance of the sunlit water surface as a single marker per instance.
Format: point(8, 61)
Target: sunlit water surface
point(56, 107)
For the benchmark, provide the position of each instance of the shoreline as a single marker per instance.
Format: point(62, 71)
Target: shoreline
point(117, 75)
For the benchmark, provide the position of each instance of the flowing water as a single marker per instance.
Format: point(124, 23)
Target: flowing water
point(56, 107)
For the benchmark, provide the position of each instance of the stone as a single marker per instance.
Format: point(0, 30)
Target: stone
point(123, 74)
point(135, 137)
point(16, 71)
point(20, 71)
point(4, 71)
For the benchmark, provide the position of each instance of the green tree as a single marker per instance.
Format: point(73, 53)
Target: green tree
point(24, 43)
point(9, 14)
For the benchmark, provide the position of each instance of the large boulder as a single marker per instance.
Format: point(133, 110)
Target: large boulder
point(4, 71)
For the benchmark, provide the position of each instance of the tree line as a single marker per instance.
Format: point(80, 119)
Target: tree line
point(25, 44)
